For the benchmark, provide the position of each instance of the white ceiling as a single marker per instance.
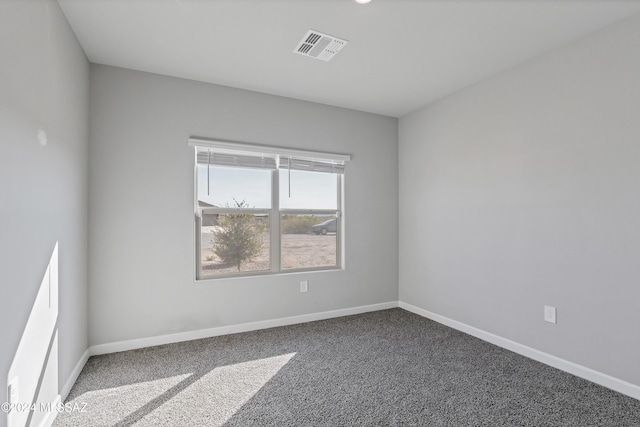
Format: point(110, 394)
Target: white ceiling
point(402, 54)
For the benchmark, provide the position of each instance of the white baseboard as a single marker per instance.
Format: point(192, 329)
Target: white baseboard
point(589, 374)
point(50, 417)
point(114, 347)
point(74, 375)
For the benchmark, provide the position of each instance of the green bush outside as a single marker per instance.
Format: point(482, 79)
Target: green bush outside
point(238, 239)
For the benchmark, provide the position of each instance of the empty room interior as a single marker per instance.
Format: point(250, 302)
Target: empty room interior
point(339, 212)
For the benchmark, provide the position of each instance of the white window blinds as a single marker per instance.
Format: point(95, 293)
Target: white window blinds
point(223, 153)
point(311, 165)
point(208, 156)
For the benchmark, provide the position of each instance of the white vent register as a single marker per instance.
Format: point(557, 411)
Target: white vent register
point(320, 46)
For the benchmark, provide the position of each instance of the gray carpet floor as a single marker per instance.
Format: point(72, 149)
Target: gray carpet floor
point(386, 368)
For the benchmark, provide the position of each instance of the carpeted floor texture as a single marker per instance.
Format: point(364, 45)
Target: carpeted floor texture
point(386, 368)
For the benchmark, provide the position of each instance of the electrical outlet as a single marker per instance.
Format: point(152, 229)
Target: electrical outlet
point(12, 393)
point(304, 285)
point(549, 314)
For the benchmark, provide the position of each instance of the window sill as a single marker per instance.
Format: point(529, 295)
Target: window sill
point(253, 275)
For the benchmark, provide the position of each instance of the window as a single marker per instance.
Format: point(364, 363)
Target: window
point(263, 210)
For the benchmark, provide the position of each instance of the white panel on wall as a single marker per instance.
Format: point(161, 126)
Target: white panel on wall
point(44, 121)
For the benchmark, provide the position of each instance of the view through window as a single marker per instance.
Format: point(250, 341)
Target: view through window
point(263, 213)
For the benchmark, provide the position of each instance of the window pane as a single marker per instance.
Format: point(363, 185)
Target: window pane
point(232, 243)
point(308, 241)
point(225, 186)
point(309, 190)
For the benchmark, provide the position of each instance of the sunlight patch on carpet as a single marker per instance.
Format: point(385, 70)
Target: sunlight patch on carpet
point(218, 394)
point(106, 406)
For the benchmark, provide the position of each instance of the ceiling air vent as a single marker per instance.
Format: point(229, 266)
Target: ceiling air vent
point(320, 46)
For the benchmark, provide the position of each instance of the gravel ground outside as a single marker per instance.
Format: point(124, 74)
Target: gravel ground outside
point(298, 251)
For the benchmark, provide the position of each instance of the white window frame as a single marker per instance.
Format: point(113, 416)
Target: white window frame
point(275, 213)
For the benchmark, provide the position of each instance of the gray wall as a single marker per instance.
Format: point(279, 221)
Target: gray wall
point(44, 84)
point(522, 191)
point(141, 205)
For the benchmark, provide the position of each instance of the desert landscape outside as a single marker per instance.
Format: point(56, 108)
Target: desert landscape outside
point(301, 245)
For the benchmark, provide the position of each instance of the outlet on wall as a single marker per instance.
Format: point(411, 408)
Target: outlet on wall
point(304, 285)
point(13, 393)
point(549, 314)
